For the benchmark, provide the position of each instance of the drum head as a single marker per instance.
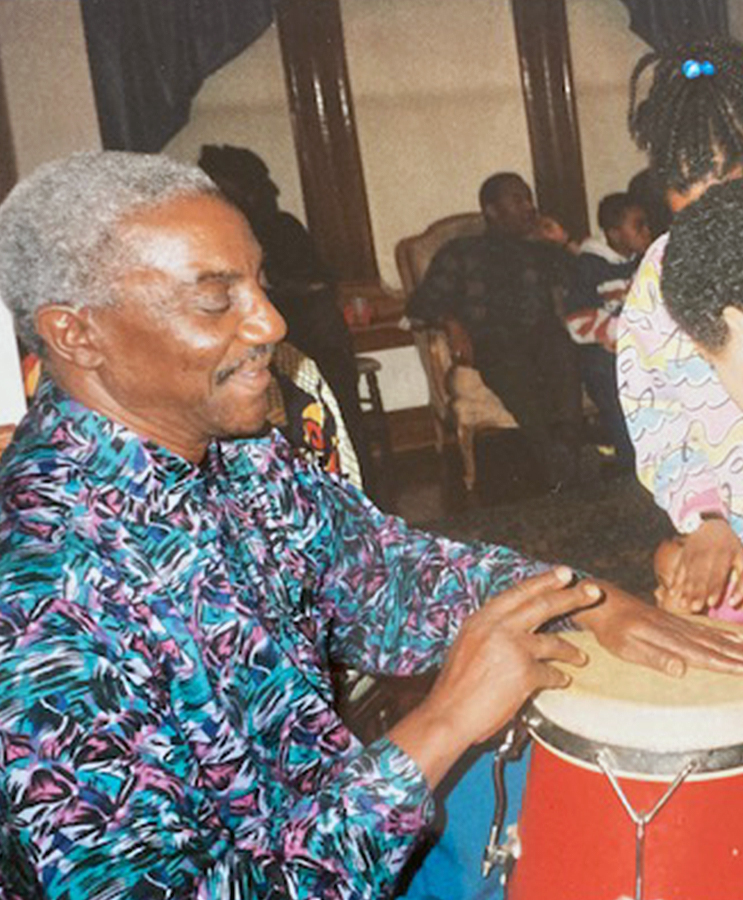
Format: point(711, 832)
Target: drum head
point(614, 702)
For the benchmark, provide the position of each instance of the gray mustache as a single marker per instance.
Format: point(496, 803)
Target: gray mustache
point(259, 352)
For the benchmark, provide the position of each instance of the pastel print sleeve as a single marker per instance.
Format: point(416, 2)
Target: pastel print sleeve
point(668, 394)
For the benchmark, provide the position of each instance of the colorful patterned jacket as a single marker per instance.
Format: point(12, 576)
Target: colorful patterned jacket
point(167, 727)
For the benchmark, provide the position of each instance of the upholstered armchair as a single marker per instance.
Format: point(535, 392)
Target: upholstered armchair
point(459, 399)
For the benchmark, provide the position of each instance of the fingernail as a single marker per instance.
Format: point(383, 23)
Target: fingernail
point(593, 591)
point(564, 574)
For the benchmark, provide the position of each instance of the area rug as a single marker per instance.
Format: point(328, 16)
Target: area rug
point(609, 529)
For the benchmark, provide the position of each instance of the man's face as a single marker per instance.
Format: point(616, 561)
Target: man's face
point(187, 343)
point(513, 211)
point(633, 234)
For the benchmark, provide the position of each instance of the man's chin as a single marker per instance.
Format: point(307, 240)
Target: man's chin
point(248, 426)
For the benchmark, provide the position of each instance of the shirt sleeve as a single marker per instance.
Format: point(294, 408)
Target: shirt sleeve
point(396, 596)
point(661, 382)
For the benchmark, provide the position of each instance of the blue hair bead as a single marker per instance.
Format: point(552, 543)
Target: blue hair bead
point(691, 69)
point(708, 68)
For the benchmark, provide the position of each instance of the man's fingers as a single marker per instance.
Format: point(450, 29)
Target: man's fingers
point(649, 654)
point(548, 676)
point(689, 644)
point(554, 647)
point(540, 608)
point(553, 580)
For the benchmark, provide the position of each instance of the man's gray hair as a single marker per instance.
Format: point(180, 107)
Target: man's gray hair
point(57, 227)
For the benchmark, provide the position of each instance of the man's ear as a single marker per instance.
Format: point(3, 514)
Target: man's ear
point(70, 335)
point(490, 211)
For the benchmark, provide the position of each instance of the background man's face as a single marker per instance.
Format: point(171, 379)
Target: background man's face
point(185, 341)
point(513, 210)
point(633, 234)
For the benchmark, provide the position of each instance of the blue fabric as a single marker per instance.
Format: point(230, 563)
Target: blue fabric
point(451, 870)
point(148, 59)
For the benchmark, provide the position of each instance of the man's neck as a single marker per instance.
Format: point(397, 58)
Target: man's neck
point(85, 388)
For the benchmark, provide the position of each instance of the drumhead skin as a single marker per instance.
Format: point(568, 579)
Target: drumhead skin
point(614, 702)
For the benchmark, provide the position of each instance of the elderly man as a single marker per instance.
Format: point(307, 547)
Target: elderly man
point(499, 292)
point(172, 590)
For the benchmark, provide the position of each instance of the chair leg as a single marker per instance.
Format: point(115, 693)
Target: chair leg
point(466, 438)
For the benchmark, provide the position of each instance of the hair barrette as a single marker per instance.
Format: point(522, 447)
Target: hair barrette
point(692, 68)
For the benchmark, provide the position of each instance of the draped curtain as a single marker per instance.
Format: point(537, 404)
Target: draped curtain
point(148, 58)
point(662, 23)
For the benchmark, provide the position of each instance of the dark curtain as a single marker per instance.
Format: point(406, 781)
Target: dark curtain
point(149, 57)
point(668, 22)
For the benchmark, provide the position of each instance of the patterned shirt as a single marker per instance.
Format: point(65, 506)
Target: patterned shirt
point(499, 288)
point(687, 431)
point(167, 727)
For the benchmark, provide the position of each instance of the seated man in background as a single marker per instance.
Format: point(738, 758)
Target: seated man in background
point(503, 289)
point(298, 282)
point(604, 273)
point(173, 590)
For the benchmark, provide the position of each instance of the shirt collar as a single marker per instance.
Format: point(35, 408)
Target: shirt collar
point(107, 450)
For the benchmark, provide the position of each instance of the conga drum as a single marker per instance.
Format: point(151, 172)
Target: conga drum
point(635, 786)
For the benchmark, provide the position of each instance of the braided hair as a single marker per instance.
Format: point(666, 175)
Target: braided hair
point(703, 267)
point(691, 121)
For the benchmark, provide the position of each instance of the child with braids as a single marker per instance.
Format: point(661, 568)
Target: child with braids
point(687, 430)
point(702, 282)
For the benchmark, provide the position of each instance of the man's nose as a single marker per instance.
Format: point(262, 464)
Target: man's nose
point(262, 322)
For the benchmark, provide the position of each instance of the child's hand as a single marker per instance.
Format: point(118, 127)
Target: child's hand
point(667, 559)
point(704, 569)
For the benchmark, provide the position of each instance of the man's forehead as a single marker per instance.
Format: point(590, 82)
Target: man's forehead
point(187, 233)
point(514, 187)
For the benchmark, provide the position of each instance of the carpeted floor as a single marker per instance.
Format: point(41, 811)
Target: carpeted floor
point(609, 529)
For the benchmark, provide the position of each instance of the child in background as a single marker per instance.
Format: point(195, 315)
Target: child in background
point(702, 283)
point(685, 427)
point(604, 272)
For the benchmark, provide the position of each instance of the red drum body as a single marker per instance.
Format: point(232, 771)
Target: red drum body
point(619, 744)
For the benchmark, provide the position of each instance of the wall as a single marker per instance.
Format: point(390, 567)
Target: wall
point(47, 82)
point(438, 103)
point(735, 12)
point(245, 104)
point(50, 112)
point(604, 53)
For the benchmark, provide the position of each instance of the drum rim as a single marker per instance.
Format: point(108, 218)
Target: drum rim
point(631, 760)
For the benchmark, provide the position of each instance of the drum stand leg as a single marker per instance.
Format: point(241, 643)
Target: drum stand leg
point(503, 855)
point(641, 820)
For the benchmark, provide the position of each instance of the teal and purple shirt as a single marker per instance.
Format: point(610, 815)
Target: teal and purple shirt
point(167, 727)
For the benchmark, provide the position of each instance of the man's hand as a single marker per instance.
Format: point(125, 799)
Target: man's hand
point(496, 663)
point(460, 344)
point(706, 569)
point(652, 637)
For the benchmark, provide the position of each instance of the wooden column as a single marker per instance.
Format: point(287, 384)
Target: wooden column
point(547, 82)
point(8, 172)
point(313, 52)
